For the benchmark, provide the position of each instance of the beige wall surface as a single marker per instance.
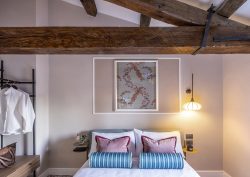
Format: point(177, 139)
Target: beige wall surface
point(236, 137)
point(71, 110)
point(70, 92)
point(18, 67)
point(64, 14)
point(42, 92)
point(42, 109)
point(17, 13)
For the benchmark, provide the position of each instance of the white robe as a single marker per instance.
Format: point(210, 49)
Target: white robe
point(16, 112)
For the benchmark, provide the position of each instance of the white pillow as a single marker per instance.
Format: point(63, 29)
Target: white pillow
point(112, 136)
point(157, 136)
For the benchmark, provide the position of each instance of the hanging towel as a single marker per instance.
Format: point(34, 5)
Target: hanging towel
point(16, 113)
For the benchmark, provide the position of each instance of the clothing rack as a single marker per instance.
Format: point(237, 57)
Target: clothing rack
point(33, 96)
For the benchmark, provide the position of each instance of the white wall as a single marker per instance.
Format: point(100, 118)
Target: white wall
point(42, 109)
point(18, 67)
point(64, 14)
point(70, 92)
point(71, 110)
point(15, 13)
point(71, 99)
point(42, 91)
point(236, 86)
point(42, 12)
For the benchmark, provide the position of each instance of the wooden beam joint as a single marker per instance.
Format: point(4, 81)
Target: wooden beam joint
point(144, 21)
point(206, 30)
point(90, 7)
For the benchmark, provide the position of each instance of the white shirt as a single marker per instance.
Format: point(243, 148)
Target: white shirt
point(16, 112)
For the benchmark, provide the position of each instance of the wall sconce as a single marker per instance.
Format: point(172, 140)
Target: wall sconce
point(192, 105)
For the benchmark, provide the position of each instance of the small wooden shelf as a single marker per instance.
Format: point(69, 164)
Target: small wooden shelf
point(78, 147)
point(190, 152)
point(77, 144)
point(24, 166)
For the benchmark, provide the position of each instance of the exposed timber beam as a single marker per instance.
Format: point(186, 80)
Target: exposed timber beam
point(228, 7)
point(90, 7)
point(174, 12)
point(144, 21)
point(118, 40)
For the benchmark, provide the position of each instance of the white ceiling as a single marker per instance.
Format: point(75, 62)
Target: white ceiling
point(242, 14)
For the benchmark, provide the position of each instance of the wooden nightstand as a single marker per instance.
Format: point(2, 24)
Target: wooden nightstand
point(189, 152)
point(78, 147)
point(24, 166)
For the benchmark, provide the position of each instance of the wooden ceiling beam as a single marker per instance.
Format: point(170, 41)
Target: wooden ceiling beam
point(118, 40)
point(174, 12)
point(144, 21)
point(90, 7)
point(228, 7)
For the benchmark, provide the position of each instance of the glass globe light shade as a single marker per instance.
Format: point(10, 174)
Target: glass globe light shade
point(192, 106)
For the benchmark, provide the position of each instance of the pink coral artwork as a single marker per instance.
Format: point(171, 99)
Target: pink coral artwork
point(136, 85)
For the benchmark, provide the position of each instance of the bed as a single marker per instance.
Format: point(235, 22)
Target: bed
point(86, 171)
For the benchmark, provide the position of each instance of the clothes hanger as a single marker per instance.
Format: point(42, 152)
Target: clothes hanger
point(7, 85)
point(10, 83)
point(13, 86)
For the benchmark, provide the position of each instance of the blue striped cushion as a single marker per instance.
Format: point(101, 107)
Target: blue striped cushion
point(110, 160)
point(161, 161)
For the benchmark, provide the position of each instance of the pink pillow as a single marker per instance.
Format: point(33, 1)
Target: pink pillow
point(115, 145)
point(166, 145)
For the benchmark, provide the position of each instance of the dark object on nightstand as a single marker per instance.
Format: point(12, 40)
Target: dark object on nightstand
point(190, 148)
point(80, 149)
point(189, 136)
point(189, 142)
point(189, 145)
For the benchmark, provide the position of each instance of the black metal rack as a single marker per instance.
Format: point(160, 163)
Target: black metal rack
point(33, 96)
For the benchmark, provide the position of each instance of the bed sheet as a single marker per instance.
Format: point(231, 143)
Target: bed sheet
point(85, 171)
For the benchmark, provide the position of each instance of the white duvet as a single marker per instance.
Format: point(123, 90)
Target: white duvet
point(85, 171)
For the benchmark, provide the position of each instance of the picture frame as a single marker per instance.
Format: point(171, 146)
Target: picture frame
point(136, 85)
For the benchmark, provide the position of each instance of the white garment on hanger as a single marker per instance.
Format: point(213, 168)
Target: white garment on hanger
point(28, 113)
point(16, 114)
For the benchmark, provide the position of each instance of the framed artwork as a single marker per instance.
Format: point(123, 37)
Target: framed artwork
point(136, 85)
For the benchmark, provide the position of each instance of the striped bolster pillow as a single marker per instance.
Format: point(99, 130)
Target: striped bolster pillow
point(110, 160)
point(161, 161)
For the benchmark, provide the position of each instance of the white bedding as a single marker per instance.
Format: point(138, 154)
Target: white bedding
point(85, 171)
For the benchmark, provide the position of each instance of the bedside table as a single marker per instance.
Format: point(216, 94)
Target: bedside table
point(78, 147)
point(189, 152)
